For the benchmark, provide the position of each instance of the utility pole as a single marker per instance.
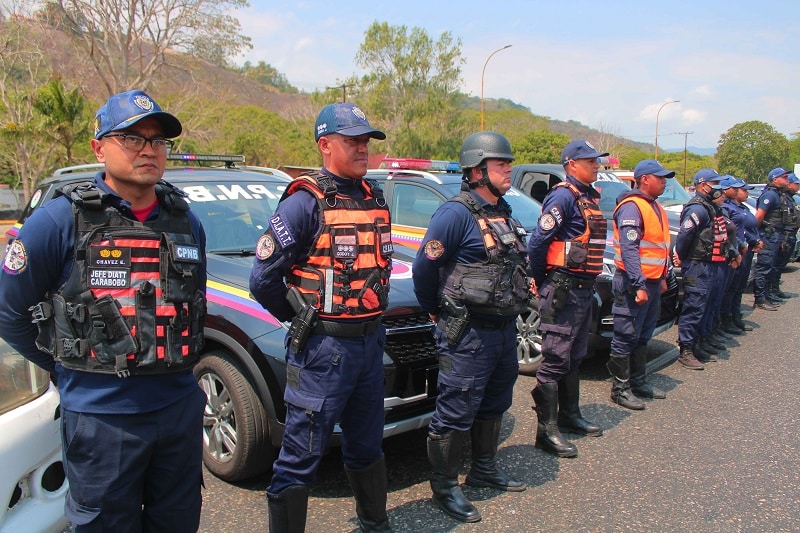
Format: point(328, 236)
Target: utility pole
point(685, 136)
point(344, 88)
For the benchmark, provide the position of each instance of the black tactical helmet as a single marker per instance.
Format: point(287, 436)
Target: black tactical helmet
point(484, 145)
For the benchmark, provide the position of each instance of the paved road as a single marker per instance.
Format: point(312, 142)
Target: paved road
point(721, 453)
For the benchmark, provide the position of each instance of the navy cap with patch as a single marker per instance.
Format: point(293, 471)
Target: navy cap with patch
point(346, 119)
point(580, 150)
point(123, 110)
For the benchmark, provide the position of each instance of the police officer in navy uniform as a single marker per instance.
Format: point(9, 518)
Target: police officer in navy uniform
point(114, 273)
point(324, 263)
point(469, 274)
point(700, 245)
point(566, 255)
point(773, 214)
point(641, 254)
point(749, 243)
point(789, 233)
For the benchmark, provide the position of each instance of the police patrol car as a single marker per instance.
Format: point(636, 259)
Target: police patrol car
point(242, 369)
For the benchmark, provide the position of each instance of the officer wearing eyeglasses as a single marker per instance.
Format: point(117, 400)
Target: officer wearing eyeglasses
point(113, 275)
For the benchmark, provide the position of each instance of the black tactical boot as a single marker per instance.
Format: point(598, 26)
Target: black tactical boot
point(687, 358)
point(569, 411)
point(369, 488)
point(548, 436)
point(776, 290)
point(619, 367)
point(640, 385)
point(444, 454)
point(728, 326)
point(702, 355)
point(287, 509)
point(711, 345)
point(737, 320)
point(719, 334)
point(484, 471)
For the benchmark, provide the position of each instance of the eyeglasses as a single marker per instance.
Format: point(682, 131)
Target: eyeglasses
point(135, 143)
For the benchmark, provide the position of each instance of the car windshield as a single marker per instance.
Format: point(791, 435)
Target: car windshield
point(234, 215)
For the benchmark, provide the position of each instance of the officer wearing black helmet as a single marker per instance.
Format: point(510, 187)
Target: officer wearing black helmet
point(566, 255)
point(469, 275)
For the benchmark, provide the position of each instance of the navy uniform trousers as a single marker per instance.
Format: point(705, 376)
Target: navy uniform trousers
point(476, 376)
point(143, 453)
point(697, 282)
point(565, 334)
point(333, 379)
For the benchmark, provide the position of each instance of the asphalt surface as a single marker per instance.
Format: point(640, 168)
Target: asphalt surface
point(719, 454)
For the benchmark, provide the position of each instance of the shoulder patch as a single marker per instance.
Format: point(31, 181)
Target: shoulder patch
point(556, 212)
point(688, 223)
point(629, 222)
point(694, 218)
point(434, 250)
point(16, 258)
point(632, 235)
point(766, 201)
point(281, 230)
point(547, 222)
point(265, 246)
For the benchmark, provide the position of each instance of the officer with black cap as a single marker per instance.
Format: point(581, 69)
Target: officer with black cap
point(774, 215)
point(641, 254)
point(701, 244)
point(566, 255)
point(469, 275)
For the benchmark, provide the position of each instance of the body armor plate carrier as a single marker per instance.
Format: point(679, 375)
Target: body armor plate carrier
point(498, 286)
point(132, 303)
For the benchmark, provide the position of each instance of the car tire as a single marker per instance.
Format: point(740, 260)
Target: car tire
point(236, 442)
point(529, 342)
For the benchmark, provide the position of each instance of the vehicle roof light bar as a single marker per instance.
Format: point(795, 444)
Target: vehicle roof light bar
point(408, 163)
point(229, 160)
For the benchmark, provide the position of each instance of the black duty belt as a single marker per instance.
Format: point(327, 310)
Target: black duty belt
point(346, 329)
point(488, 324)
point(574, 281)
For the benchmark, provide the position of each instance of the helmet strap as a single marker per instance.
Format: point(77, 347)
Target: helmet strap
point(485, 181)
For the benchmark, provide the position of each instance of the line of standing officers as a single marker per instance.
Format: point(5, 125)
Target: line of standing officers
point(324, 263)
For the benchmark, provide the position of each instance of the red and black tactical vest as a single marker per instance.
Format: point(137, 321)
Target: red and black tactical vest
point(132, 303)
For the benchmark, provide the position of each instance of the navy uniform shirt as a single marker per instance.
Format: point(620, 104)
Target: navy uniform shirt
point(48, 241)
point(694, 219)
point(561, 218)
point(744, 220)
point(453, 236)
point(770, 199)
point(630, 226)
point(294, 228)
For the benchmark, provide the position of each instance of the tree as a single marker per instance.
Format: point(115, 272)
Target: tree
point(411, 90)
point(749, 150)
point(23, 70)
point(129, 41)
point(268, 75)
point(540, 146)
point(63, 116)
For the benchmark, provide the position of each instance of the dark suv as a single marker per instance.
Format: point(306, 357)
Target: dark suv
point(242, 369)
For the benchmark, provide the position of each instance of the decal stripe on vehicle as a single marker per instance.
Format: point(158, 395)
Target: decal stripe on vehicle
point(239, 300)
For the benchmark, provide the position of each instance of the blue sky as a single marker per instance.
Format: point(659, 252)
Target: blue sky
point(607, 64)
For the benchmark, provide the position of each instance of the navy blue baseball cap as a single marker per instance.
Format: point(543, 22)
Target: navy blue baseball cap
point(707, 175)
point(580, 150)
point(345, 119)
point(651, 166)
point(793, 178)
point(123, 110)
point(729, 181)
point(777, 173)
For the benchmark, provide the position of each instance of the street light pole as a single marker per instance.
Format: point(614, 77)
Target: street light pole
point(658, 113)
point(483, 103)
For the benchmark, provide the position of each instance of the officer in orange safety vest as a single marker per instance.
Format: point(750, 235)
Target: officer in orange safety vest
point(641, 252)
